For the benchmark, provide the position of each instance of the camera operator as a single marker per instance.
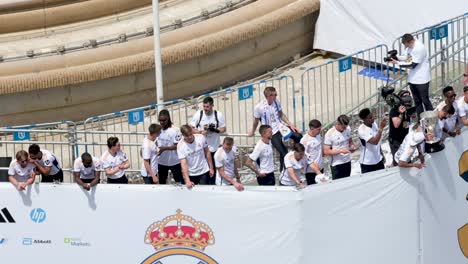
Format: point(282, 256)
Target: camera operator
point(209, 123)
point(419, 75)
point(399, 123)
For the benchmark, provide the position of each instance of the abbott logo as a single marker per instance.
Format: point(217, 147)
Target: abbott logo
point(37, 215)
point(5, 216)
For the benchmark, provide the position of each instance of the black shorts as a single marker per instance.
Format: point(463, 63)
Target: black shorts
point(310, 177)
point(341, 170)
point(269, 179)
point(51, 178)
point(121, 180)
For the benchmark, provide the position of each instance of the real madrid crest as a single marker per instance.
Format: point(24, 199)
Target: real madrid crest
point(179, 239)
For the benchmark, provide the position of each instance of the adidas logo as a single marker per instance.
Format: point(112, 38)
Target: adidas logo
point(5, 216)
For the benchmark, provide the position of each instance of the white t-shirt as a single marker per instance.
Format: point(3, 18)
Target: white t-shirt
point(406, 152)
point(225, 160)
point(194, 153)
point(370, 154)
point(168, 138)
point(49, 160)
point(149, 151)
point(87, 173)
point(268, 114)
point(338, 140)
point(314, 150)
point(299, 167)
point(462, 107)
point(422, 73)
point(21, 174)
point(264, 152)
point(109, 161)
point(212, 139)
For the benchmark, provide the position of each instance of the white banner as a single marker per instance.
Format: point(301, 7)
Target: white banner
point(393, 216)
point(348, 26)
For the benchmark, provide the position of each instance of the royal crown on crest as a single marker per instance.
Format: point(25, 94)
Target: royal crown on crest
point(179, 231)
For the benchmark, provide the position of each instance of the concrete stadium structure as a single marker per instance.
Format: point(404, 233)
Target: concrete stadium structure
point(197, 58)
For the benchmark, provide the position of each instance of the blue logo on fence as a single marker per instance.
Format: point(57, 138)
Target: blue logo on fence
point(18, 136)
point(345, 64)
point(245, 92)
point(37, 215)
point(439, 32)
point(136, 117)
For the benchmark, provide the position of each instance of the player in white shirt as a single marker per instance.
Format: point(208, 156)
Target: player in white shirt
point(370, 135)
point(115, 162)
point(338, 143)
point(167, 143)
point(412, 142)
point(416, 59)
point(462, 103)
point(46, 164)
point(209, 123)
point(263, 156)
point(87, 171)
point(443, 114)
point(295, 165)
point(149, 154)
point(225, 161)
point(452, 125)
point(269, 112)
point(21, 172)
point(313, 144)
point(195, 158)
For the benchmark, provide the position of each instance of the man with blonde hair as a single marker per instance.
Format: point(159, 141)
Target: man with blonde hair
point(21, 172)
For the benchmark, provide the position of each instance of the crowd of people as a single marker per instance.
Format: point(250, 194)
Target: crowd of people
point(195, 154)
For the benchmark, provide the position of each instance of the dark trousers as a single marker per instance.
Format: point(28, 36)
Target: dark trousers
point(394, 146)
point(88, 180)
point(121, 180)
point(420, 94)
point(200, 179)
point(176, 170)
point(51, 178)
point(341, 170)
point(374, 167)
point(212, 180)
point(269, 179)
point(277, 142)
point(148, 180)
point(310, 177)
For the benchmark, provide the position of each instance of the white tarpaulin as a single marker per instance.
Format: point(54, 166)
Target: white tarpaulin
point(395, 216)
point(347, 26)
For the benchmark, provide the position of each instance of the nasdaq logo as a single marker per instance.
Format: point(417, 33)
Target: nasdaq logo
point(38, 215)
point(6, 217)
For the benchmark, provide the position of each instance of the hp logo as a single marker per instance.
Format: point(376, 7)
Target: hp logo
point(37, 215)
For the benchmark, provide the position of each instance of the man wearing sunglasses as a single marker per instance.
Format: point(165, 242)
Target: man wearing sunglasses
point(451, 126)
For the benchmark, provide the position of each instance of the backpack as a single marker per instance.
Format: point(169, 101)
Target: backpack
point(201, 116)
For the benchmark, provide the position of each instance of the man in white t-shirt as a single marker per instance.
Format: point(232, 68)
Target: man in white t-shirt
point(446, 112)
point(225, 161)
point(115, 162)
point(167, 143)
point(269, 112)
point(149, 154)
point(87, 171)
point(21, 172)
point(462, 104)
point(416, 59)
point(370, 135)
point(195, 158)
point(209, 123)
point(295, 165)
point(338, 143)
point(412, 142)
point(263, 156)
point(46, 164)
point(313, 144)
point(452, 124)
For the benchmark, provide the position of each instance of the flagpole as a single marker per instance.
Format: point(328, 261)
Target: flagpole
point(157, 56)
